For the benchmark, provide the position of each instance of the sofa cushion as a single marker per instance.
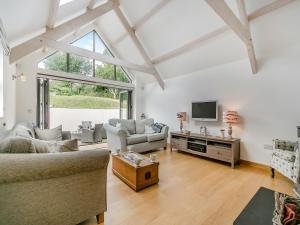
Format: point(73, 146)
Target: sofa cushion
point(129, 125)
point(136, 139)
point(140, 125)
point(149, 130)
point(54, 134)
point(16, 144)
point(118, 125)
point(113, 122)
point(22, 130)
point(155, 137)
point(42, 146)
point(285, 154)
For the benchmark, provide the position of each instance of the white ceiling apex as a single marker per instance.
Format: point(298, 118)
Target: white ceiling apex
point(61, 31)
point(139, 46)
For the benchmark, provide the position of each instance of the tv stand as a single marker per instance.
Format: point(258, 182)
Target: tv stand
point(223, 149)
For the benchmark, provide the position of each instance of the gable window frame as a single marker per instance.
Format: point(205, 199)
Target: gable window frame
point(94, 32)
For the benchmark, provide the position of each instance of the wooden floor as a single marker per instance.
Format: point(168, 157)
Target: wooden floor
point(191, 191)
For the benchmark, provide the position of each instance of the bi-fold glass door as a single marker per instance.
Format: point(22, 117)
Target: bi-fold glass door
point(69, 103)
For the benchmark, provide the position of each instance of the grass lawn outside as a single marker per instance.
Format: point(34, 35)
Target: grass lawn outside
point(83, 102)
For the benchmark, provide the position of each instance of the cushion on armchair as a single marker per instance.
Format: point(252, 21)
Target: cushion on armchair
point(155, 137)
point(54, 134)
point(129, 125)
point(285, 155)
point(136, 139)
point(140, 125)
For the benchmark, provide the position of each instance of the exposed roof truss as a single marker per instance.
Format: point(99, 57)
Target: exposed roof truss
point(203, 39)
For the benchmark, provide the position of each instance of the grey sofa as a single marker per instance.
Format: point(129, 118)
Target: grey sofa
point(52, 188)
point(137, 140)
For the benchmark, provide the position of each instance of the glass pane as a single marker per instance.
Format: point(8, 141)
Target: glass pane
point(123, 104)
point(72, 103)
point(80, 65)
point(85, 42)
point(104, 71)
point(121, 75)
point(100, 46)
point(56, 61)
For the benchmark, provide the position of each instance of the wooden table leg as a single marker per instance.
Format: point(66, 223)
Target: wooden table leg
point(100, 218)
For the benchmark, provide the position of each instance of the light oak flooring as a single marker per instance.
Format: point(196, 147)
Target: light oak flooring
point(191, 191)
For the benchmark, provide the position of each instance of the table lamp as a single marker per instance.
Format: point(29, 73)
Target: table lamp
point(230, 117)
point(181, 117)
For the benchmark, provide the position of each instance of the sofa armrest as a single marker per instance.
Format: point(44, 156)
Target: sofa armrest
point(165, 131)
point(34, 166)
point(116, 137)
point(66, 135)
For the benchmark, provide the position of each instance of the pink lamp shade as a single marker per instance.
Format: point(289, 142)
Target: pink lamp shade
point(230, 117)
point(181, 116)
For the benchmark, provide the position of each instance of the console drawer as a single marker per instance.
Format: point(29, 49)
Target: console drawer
point(219, 152)
point(179, 144)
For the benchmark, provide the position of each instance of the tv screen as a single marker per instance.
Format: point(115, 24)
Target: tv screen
point(205, 111)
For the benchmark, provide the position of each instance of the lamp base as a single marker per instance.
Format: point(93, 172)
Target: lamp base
point(181, 126)
point(229, 131)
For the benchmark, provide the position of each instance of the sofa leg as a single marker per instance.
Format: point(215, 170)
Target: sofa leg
point(272, 172)
point(100, 218)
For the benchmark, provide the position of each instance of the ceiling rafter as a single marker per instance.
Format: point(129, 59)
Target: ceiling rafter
point(139, 46)
point(61, 31)
point(144, 19)
point(91, 4)
point(68, 48)
point(250, 48)
point(54, 7)
point(222, 10)
point(193, 43)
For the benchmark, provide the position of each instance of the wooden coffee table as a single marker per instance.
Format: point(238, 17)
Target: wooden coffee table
point(136, 177)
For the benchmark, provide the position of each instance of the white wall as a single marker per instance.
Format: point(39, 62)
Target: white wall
point(9, 95)
point(268, 102)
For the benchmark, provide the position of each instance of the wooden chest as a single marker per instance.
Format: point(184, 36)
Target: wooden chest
point(136, 177)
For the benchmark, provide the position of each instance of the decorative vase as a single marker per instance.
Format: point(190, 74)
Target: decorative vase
point(222, 133)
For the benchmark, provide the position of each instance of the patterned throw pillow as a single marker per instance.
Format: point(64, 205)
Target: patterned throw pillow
point(285, 145)
point(157, 127)
point(149, 130)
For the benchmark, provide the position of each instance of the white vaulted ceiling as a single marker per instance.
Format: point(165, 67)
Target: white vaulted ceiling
point(176, 23)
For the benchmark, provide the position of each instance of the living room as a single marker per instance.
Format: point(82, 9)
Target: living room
point(149, 112)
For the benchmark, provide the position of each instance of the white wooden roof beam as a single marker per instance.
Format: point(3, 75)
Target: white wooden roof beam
point(61, 31)
point(139, 46)
point(144, 19)
point(250, 48)
point(53, 13)
point(68, 48)
point(191, 44)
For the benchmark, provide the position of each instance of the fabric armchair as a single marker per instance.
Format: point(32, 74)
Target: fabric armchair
point(50, 189)
point(285, 159)
point(116, 137)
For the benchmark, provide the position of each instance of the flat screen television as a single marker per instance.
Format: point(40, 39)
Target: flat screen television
point(205, 111)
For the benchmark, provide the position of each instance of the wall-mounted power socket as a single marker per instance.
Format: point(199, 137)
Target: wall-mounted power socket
point(268, 147)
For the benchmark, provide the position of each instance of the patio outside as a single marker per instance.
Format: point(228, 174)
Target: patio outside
point(72, 103)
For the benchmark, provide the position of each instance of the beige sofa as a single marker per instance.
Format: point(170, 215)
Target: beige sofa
point(137, 140)
point(64, 188)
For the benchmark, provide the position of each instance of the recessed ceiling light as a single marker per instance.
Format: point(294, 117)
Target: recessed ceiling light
point(62, 2)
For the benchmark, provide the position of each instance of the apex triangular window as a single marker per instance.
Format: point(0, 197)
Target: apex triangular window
point(66, 62)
